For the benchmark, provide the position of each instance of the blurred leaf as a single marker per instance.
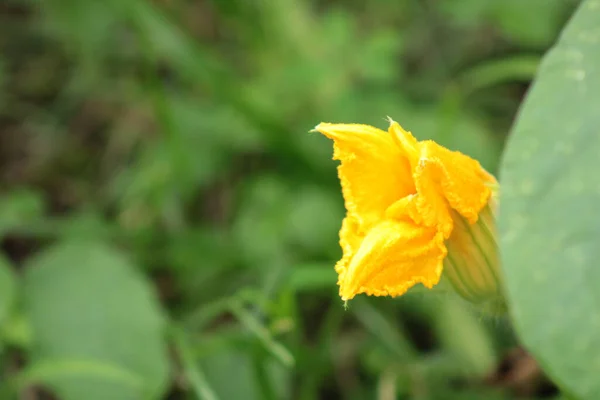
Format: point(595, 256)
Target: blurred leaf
point(231, 374)
point(86, 224)
point(513, 17)
point(391, 335)
point(315, 218)
point(378, 57)
point(145, 189)
point(86, 26)
point(209, 126)
point(200, 259)
point(464, 336)
point(549, 210)
point(306, 220)
point(465, 12)
point(517, 68)
point(471, 394)
point(229, 355)
point(191, 368)
point(309, 277)
point(16, 331)
point(259, 230)
point(8, 289)
point(98, 330)
point(281, 353)
point(20, 207)
point(170, 42)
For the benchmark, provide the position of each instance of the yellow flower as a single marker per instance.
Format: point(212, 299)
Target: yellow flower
point(412, 207)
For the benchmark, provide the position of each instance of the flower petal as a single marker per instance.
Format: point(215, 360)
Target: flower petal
point(444, 179)
point(405, 141)
point(393, 257)
point(374, 172)
point(350, 241)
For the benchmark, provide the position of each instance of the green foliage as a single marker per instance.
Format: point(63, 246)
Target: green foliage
point(98, 330)
point(8, 286)
point(20, 207)
point(169, 226)
point(514, 17)
point(549, 219)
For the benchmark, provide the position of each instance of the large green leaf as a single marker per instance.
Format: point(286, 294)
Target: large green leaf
point(97, 328)
point(549, 217)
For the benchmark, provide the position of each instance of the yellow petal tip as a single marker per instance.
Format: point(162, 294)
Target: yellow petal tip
point(317, 128)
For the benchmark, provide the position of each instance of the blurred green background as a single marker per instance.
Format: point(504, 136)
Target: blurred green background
point(169, 226)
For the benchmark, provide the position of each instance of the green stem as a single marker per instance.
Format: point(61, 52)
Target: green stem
point(263, 334)
point(193, 373)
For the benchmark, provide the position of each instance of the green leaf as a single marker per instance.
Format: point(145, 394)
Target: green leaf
point(313, 276)
point(224, 368)
point(489, 73)
point(549, 221)
point(97, 328)
point(7, 289)
point(464, 337)
point(514, 19)
point(255, 326)
point(194, 374)
point(20, 206)
point(390, 334)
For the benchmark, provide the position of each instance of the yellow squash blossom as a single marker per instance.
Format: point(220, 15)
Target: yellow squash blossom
point(414, 209)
